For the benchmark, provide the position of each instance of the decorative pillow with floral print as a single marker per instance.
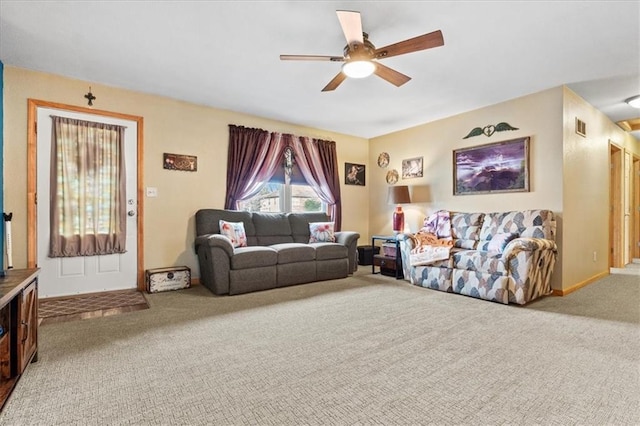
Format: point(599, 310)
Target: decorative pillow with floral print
point(235, 232)
point(321, 232)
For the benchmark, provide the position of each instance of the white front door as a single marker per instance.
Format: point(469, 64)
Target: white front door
point(87, 274)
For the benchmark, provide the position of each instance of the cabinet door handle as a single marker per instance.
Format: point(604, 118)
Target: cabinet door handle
point(25, 326)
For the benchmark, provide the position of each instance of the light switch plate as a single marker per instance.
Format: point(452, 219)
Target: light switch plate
point(152, 192)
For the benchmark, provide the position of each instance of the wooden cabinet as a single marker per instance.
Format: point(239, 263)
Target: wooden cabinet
point(19, 322)
point(27, 325)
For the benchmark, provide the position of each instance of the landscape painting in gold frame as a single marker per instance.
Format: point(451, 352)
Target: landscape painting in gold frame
point(490, 168)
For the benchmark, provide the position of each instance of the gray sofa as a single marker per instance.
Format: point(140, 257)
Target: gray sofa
point(278, 252)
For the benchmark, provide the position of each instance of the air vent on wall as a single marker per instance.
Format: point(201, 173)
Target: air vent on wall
point(581, 127)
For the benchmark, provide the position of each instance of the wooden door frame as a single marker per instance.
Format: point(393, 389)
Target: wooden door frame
point(32, 177)
point(615, 206)
point(635, 206)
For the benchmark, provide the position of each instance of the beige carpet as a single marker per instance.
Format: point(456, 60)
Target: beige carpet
point(364, 350)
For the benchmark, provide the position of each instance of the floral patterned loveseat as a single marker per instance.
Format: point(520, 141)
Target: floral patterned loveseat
point(518, 270)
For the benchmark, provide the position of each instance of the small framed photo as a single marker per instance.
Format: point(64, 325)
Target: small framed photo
point(412, 168)
point(354, 174)
point(187, 163)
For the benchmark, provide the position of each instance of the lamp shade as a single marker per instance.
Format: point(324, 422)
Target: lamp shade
point(398, 195)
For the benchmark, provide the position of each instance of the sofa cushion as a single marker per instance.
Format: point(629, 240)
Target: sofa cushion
point(326, 251)
point(272, 228)
point(234, 231)
point(300, 224)
point(321, 232)
point(253, 257)
point(465, 229)
point(526, 223)
point(208, 222)
point(294, 252)
point(479, 261)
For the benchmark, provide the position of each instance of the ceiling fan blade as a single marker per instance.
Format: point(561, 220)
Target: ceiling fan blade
point(333, 84)
point(311, 58)
point(351, 26)
point(392, 76)
point(426, 41)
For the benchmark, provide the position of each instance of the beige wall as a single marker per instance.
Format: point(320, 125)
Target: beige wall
point(169, 126)
point(586, 182)
point(537, 116)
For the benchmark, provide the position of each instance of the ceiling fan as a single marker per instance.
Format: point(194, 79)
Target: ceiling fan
point(361, 57)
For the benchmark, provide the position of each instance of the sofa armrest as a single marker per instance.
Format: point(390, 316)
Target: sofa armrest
point(214, 258)
point(530, 263)
point(518, 245)
point(214, 240)
point(346, 237)
point(407, 243)
point(350, 240)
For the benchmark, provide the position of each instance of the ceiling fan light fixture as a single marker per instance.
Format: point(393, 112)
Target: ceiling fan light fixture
point(358, 69)
point(634, 101)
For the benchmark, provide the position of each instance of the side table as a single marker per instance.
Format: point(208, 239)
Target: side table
point(388, 265)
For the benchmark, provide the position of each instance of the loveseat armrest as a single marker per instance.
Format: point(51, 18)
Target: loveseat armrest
point(530, 263)
point(407, 243)
point(350, 240)
point(214, 240)
point(521, 244)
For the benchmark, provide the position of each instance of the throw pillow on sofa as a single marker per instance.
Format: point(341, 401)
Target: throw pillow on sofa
point(438, 223)
point(235, 232)
point(500, 241)
point(321, 232)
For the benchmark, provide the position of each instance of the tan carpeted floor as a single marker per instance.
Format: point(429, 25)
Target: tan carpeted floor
point(362, 350)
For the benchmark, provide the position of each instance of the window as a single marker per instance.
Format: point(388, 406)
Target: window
point(280, 197)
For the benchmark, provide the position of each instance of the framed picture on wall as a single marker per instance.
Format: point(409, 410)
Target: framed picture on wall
point(354, 174)
point(495, 167)
point(412, 168)
point(188, 163)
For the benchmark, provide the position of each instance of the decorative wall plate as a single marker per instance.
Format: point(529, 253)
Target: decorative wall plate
point(392, 177)
point(383, 159)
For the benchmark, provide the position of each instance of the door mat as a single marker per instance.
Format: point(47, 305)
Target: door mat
point(90, 306)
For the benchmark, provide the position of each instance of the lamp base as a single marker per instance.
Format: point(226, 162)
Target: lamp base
point(398, 220)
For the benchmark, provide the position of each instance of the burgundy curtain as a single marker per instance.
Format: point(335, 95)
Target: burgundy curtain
point(318, 162)
point(254, 157)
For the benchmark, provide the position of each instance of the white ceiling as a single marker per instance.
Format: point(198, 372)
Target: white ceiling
point(226, 54)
